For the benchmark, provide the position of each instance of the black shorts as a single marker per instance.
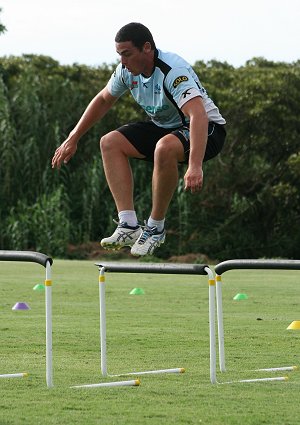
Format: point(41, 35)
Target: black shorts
point(144, 135)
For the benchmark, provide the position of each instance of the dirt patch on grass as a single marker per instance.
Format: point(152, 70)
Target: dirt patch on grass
point(94, 251)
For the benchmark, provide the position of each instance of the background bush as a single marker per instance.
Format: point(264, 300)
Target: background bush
point(249, 206)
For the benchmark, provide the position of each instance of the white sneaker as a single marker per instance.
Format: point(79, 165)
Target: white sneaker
point(149, 240)
point(124, 235)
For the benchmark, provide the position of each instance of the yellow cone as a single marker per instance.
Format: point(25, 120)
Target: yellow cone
point(294, 325)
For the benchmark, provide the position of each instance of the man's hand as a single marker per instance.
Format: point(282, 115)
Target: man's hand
point(64, 152)
point(193, 179)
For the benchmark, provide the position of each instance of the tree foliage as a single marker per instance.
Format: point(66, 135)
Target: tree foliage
point(249, 206)
point(2, 27)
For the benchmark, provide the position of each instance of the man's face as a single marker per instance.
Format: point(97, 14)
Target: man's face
point(133, 58)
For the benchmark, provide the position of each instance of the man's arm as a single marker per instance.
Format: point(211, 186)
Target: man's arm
point(94, 112)
point(195, 110)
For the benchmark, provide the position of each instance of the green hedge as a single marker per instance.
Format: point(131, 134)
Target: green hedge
point(249, 206)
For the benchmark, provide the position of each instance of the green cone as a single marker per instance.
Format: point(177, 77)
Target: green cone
point(39, 287)
point(239, 297)
point(137, 291)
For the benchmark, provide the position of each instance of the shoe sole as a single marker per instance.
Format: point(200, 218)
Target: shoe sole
point(113, 246)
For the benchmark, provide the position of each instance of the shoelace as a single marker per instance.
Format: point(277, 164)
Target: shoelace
point(121, 224)
point(147, 233)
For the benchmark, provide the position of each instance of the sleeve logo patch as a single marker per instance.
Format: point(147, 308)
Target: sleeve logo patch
point(179, 80)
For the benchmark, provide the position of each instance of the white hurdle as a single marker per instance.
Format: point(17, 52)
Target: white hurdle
point(246, 264)
point(45, 261)
point(148, 268)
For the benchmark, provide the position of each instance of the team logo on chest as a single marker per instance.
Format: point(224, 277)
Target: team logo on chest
point(157, 89)
point(134, 85)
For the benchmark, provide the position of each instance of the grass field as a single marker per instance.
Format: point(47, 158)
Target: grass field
point(167, 327)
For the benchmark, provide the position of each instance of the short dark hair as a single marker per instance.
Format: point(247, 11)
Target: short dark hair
point(137, 33)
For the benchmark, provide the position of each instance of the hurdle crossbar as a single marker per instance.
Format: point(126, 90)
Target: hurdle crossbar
point(190, 269)
point(238, 264)
point(45, 261)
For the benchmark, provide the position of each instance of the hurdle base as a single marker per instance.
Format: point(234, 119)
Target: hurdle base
point(270, 379)
point(247, 381)
point(278, 369)
point(151, 372)
point(132, 383)
point(15, 375)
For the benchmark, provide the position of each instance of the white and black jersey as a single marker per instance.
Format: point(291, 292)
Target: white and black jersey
point(162, 95)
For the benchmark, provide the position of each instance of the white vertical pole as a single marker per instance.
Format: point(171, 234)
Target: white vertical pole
point(48, 301)
point(212, 326)
point(220, 323)
point(102, 321)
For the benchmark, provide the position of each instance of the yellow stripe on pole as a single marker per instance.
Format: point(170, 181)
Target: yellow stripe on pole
point(211, 282)
point(218, 278)
point(101, 278)
point(48, 282)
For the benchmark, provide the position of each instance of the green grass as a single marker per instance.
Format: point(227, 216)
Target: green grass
point(167, 327)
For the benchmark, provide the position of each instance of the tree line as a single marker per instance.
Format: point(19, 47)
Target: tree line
point(249, 205)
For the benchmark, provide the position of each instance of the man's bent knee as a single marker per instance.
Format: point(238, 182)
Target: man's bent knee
point(106, 141)
point(117, 142)
point(168, 148)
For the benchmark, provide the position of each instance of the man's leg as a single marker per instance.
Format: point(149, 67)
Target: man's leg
point(168, 152)
point(116, 151)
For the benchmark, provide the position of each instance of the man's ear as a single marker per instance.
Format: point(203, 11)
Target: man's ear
point(147, 47)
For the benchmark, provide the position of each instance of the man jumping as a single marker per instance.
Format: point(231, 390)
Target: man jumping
point(185, 127)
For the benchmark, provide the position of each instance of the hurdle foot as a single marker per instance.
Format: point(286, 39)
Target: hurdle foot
point(152, 372)
point(15, 375)
point(132, 383)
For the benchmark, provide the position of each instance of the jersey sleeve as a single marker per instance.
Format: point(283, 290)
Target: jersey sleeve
point(116, 84)
point(182, 86)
